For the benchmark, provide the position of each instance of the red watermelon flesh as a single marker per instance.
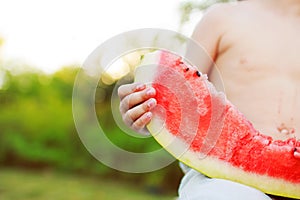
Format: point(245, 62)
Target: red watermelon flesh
point(202, 129)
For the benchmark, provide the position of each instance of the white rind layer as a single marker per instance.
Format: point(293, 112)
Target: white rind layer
point(216, 168)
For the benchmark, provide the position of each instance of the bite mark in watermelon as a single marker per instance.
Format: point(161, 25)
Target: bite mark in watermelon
point(202, 129)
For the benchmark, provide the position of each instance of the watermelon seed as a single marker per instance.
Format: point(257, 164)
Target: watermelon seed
point(186, 69)
point(178, 62)
point(198, 73)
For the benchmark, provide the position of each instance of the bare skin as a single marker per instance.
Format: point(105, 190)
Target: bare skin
point(255, 45)
point(259, 63)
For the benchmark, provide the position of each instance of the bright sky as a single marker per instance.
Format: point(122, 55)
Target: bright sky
point(51, 33)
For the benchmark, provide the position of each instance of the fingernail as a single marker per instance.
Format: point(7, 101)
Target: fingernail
point(149, 115)
point(140, 86)
point(150, 92)
point(151, 103)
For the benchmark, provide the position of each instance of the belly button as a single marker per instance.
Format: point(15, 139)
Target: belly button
point(284, 130)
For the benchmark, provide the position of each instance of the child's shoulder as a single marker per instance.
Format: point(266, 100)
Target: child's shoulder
point(227, 13)
point(226, 10)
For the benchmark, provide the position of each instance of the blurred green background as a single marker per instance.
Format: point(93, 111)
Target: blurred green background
point(41, 155)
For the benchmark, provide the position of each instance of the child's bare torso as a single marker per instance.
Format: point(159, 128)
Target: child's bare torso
point(258, 58)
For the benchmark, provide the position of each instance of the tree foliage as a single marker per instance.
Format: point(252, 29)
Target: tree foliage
point(37, 128)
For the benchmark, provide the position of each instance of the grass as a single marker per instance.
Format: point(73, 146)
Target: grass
point(18, 184)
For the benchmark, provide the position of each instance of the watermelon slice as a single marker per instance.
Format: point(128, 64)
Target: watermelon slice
point(202, 129)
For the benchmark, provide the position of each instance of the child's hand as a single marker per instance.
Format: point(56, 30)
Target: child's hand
point(136, 102)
